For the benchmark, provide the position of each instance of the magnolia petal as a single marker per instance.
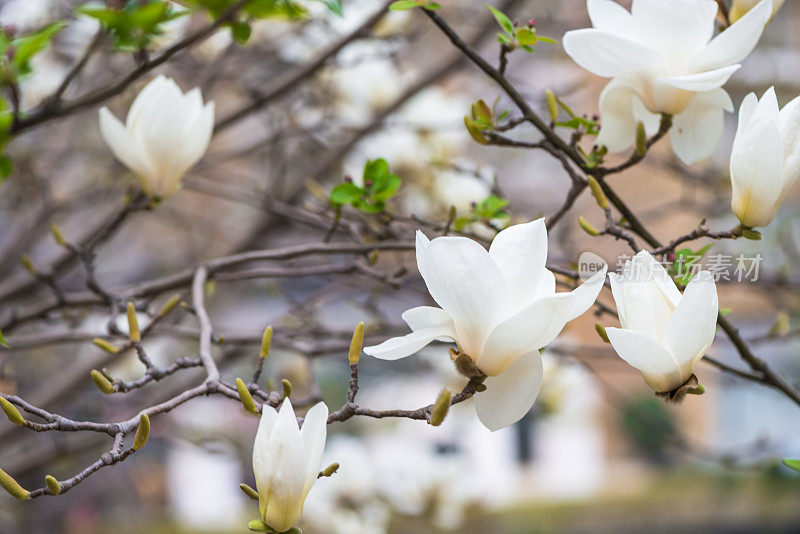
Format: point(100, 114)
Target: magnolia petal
point(401, 347)
point(659, 274)
point(547, 285)
point(693, 325)
point(261, 458)
point(424, 317)
point(789, 125)
point(510, 395)
point(464, 280)
point(767, 107)
point(422, 243)
point(584, 296)
point(609, 16)
point(618, 131)
point(608, 55)
point(314, 433)
point(126, 149)
point(757, 173)
point(746, 110)
point(735, 43)
point(678, 28)
point(152, 92)
point(704, 81)
point(696, 131)
point(527, 331)
point(644, 353)
point(520, 251)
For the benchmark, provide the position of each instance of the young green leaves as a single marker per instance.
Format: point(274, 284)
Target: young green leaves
point(379, 185)
point(486, 211)
point(135, 25)
point(514, 35)
point(405, 5)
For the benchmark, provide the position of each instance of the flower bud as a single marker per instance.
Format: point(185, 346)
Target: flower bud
point(587, 226)
point(597, 192)
point(356, 343)
point(266, 341)
point(641, 139)
point(440, 408)
point(250, 492)
point(13, 487)
point(52, 485)
point(601, 332)
point(102, 383)
point(169, 305)
point(257, 525)
point(245, 396)
point(11, 412)
point(552, 105)
point(287, 388)
point(105, 345)
point(142, 433)
point(330, 470)
point(27, 263)
point(134, 334)
point(57, 235)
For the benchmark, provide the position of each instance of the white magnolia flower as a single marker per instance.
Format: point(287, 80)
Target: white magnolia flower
point(741, 7)
point(765, 159)
point(499, 306)
point(165, 134)
point(287, 461)
point(664, 334)
point(662, 59)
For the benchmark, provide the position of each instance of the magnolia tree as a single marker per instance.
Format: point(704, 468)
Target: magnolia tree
point(112, 265)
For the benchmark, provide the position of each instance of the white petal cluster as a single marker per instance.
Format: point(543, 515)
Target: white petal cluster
point(664, 334)
point(500, 306)
point(165, 134)
point(286, 462)
point(765, 159)
point(661, 58)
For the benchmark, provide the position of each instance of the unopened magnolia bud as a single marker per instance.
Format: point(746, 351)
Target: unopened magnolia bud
point(330, 470)
point(258, 525)
point(287, 388)
point(134, 334)
point(102, 382)
point(597, 192)
point(105, 345)
point(374, 255)
point(266, 341)
point(142, 433)
point(11, 412)
point(245, 396)
point(601, 332)
point(250, 492)
point(52, 485)
point(781, 327)
point(169, 305)
point(27, 262)
point(587, 227)
point(440, 408)
point(13, 487)
point(641, 139)
point(552, 105)
point(356, 344)
point(753, 235)
point(57, 235)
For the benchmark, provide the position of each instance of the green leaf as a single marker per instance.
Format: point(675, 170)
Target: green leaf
point(376, 171)
point(546, 39)
point(241, 32)
point(526, 36)
point(334, 6)
point(792, 464)
point(405, 5)
point(432, 6)
point(3, 341)
point(27, 46)
point(502, 20)
point(503, 39)
point(346, 193)
point(389, 188)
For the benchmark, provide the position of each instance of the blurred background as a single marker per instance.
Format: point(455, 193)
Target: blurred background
point(598, 453)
